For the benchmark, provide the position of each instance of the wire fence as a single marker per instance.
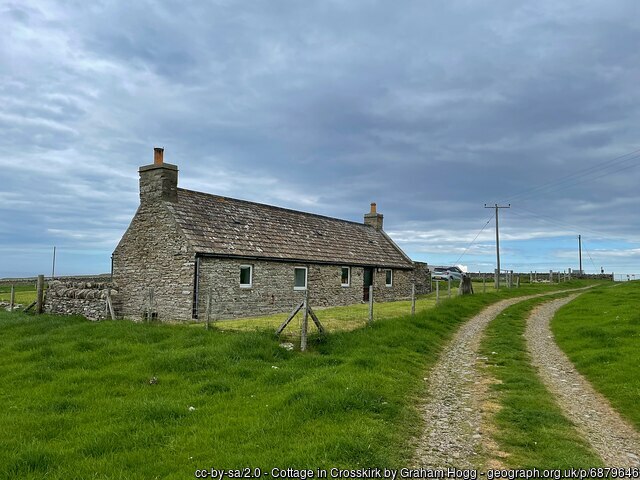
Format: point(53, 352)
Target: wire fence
point(625, 277)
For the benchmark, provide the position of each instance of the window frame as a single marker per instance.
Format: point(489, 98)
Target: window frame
point(306, 278)
point(250, 284)
point(348, 284)
point(390, 271)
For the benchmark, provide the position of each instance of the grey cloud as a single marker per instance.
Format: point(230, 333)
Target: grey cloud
point(430, 109)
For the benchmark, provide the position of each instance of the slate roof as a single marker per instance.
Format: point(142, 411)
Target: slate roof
point(225, 226)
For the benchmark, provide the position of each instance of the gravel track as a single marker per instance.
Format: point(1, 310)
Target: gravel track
point(615, 441)
point(457, 394)
point(452, 414)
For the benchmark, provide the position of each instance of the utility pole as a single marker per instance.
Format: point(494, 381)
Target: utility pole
point(580, 251)
point(53, 267)
point(497, 243)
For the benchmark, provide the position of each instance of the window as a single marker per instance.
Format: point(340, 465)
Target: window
point(300, 278)
point(388, 278)
point(346, 276)
point(246, 276)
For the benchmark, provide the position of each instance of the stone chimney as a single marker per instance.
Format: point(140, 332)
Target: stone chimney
point(373, 218)
point(158, 181)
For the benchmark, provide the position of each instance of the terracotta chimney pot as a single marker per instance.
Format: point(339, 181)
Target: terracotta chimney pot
point(157, 156)
point(373, 207)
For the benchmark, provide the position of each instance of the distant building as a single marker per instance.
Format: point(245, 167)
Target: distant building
point(252, 258)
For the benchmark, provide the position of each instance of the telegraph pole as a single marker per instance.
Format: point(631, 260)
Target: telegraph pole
point(497, 242)
point(53, 267)
point(580, 251)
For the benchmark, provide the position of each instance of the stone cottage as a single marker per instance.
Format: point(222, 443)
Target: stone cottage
point(252, 259)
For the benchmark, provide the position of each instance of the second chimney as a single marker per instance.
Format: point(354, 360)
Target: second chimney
point(373, 218)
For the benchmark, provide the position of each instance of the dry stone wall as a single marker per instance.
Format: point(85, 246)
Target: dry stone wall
point(88, 299)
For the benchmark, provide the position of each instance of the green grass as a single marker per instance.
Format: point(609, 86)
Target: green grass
point(529, 426)
point(334, 319)
point(24, 293)
point(76, 400)
point(601, 335)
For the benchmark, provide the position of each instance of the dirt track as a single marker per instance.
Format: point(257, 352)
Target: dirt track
point(615, 441)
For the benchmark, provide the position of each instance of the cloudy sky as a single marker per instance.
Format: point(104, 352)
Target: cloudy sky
point(431, 109)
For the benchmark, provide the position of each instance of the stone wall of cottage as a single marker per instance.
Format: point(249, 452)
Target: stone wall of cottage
point(422, 278)
point(272, 289)
point(88, 299)
point(154, 253)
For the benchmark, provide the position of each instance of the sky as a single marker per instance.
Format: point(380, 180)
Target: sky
point(430, 109)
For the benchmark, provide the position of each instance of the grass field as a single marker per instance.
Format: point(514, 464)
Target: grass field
point(24, 293)
point(333, 319)
point(76, 400)
point(529, 426)
point(601, 335)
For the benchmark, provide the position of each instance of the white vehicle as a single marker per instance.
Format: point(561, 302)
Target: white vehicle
point(446, 273)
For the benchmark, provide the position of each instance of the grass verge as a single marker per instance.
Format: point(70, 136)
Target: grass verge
point(530, 428)
point(600, 333)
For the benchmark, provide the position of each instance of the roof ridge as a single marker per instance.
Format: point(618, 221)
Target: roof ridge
point(275, 207)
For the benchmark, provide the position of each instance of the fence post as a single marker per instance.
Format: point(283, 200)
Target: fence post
point(550, 276)
point(12, 300)
point(208, 310)
point(569, 274)
point(305, 319)
point(370, 304)
point(150, 309)
point(40, 294)
point(413, 299)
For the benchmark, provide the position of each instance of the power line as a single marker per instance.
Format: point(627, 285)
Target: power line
point(473, 241)
point(574, 228)
point(589, 255)
point(603, 166)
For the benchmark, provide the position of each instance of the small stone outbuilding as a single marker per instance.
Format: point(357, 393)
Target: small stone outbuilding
point(184, 246)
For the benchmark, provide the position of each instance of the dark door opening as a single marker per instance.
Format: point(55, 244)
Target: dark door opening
point(367, 282)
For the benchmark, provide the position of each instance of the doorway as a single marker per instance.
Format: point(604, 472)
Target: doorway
point(367, 282)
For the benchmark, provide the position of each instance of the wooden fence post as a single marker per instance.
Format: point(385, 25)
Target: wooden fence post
point(12, 299)
point(437, 292)
point(109, 305)
point(305, 319)
point(370, 304)
point(208, 310)
point(150, 309)
point(40, 294)
point(413, 299)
